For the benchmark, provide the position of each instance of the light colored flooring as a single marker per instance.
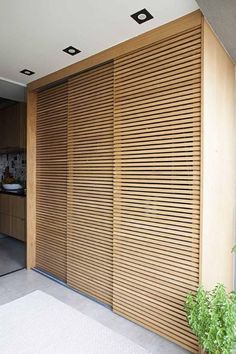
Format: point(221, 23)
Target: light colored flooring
point(12, 254)
point(23, 282)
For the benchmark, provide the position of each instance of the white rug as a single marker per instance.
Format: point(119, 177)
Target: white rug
point(40, 324)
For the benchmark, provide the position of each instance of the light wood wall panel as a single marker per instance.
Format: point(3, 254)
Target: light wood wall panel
point(157, 183)
point(218, 163)
point(51, 181)
point(31, 179)
point(90, 182)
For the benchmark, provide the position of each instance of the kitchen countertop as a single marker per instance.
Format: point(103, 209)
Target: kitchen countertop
point(18, 194)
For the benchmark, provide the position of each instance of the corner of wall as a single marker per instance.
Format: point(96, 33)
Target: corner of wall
point(218, 163)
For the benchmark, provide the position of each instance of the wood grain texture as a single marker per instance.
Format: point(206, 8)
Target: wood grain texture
point(51, 181)
point(157, 136)
point(13, 128)
point(218, 163)
point(13, 216)
point(31, 178)
point(172, 28)
point(165, 156)
point(90, 183)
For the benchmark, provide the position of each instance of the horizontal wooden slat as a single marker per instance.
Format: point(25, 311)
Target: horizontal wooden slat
point(153, 49)
point(90, 183)
point(157, 133)
point(51, 183)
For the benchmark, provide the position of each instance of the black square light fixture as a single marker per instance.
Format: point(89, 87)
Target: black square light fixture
point(71, 50)
point(27, 72)
point(142, 16)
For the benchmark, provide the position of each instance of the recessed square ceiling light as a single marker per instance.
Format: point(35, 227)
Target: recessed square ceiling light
point(142, 16)
point(71, 50)
point(27, 72)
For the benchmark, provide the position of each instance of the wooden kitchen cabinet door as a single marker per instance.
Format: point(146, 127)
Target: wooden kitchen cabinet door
point(5, 224)
point(18, 229)
point(22, 122)
point(13, 128)
point(13, 216)
point(3, 132)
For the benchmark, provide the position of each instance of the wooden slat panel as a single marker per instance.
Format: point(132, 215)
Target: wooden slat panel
point(51, 181)
point(90, 183)
point(157, 184)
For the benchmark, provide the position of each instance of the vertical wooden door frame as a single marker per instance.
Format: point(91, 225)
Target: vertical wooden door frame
point(31, 178)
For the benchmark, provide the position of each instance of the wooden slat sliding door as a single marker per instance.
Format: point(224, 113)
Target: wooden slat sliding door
point(51, 181)
point(90, 182)
point(157, 184)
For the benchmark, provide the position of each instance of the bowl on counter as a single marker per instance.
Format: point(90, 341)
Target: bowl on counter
point(12, 186)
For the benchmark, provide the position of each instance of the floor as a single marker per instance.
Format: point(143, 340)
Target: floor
point(20, 283)
point(12, 254)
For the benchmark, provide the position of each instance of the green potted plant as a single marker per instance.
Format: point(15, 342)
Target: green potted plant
point(211, 315)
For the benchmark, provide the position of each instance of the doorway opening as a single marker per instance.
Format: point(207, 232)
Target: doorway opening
point(12, 186)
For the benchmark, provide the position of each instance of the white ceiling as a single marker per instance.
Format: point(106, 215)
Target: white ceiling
point(34, 32)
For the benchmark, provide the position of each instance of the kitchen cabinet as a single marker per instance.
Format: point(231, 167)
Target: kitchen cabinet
point(13, 128)
point(12, 215)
